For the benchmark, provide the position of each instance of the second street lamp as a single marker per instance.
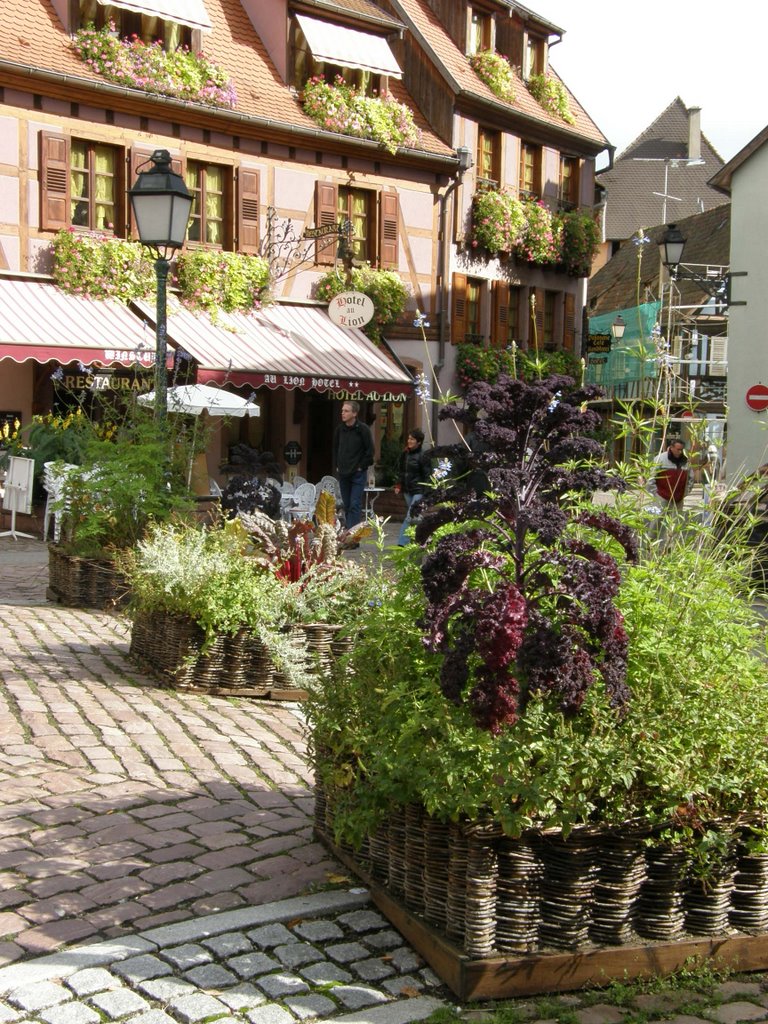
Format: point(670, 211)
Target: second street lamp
point(161, 205)
point(714, 284)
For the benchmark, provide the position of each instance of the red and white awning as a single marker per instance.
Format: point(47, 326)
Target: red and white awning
point(41, 322)
point(281, 346)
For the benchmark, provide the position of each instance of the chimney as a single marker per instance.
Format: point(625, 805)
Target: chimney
point(694, 133)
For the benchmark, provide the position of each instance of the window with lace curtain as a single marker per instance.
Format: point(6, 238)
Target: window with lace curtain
point(129, 23)
point(93, 185)
point(354, 204)
point(209, 185)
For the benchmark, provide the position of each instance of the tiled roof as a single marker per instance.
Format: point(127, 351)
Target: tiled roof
point(636, 183)
point(359, 9)
point(615, 286)
point(462, 79)
point(38, 40)
point(722, 179)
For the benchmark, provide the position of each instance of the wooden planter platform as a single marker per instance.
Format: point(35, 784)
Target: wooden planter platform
point(498, 918)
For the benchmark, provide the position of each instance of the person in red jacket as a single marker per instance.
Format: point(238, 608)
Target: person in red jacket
point(672, 476)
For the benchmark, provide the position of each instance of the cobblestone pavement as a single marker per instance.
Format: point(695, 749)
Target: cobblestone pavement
point(157, 863)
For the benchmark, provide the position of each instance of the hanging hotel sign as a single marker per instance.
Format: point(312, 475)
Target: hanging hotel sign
point(599, 343)
point(351, 309)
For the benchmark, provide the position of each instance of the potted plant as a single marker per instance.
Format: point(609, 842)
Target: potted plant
point(343, 109)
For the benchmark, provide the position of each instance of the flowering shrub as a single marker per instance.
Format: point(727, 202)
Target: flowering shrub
point(498, 221)
point(581, 240)
point(384, 287)
point(521, 586)
point(342, 108)
point(551, 94)
point(541, 239)
point(101, 266)
point(138, 65)
point(496, 71)
point(475, 363)
point(214, 279)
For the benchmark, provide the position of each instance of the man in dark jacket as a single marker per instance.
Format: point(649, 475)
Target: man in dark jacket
point(353, 453)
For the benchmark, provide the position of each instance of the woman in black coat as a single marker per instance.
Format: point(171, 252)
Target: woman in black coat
point(415, 471)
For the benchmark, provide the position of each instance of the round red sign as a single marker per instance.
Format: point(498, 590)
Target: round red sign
point(757, 397)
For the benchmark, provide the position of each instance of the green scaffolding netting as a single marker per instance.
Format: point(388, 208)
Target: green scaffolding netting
point(631, 359)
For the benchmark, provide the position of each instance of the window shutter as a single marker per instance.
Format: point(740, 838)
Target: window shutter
point(500, 324)
point(326, 201)
point(569, 323)
point(54, 181)
point(718, 356)
point(389, 231)
point(248, 194)
point(459, 309)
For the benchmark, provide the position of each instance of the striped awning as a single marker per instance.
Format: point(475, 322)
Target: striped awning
point(348, 47)
point(185, 12)
point(281, 346)
point(41, 322)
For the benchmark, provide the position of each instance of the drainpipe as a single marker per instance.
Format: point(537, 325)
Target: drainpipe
point(444, 255)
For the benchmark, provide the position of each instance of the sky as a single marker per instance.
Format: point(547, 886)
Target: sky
point(626, 62)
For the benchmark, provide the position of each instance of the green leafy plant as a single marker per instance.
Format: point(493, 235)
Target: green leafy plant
point(496, 71)
point(498, 221)
point(101, 266)
point(476, 363)
point(210, 280)
point(541, 238)
point(344, 109)
point(384, 287)
point(551, 94)
point(580, 242)
point(147, 66)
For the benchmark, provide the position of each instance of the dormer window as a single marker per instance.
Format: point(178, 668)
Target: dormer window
point(480, 34)
point(145, 19)
point(323, 49)
point(534, 55)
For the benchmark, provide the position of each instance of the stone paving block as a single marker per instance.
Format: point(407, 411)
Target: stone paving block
point(313, 1005)
point(250, 965)
point(70, 1013)
point(325, 973)
point(363, 921)
point(242, 996)
point(271, 935)
point(387, 939)
point(730, 989)
point(405, 960)
point(355, 997)
point(228, 945)
point(210, 976)
point(297, 954)
point(279, 985)
point(92, 979)
point(402, 1011)
point(8, 1014)
point(195, 1007)
point(142, 968)
point(346, 952)
point(119, 1003)
point(269, 1014)
point(38, 997)
point(151, 1017)
point(601, 1013)
point(166, 989)
point(189, 955)
point(319, 931)
point(731, 1013)
point(429, 978)
point(373, 969)
point(403, 985)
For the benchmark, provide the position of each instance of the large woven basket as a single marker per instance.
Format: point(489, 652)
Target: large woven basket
point(84, 582)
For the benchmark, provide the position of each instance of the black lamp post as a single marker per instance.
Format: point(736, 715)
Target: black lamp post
point(617, 328)
point(161, 205)
point(717, 286)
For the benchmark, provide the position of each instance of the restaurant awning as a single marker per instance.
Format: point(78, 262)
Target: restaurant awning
point(185, 12)
point(348, 47)
point(281, 346)
point(41, 322)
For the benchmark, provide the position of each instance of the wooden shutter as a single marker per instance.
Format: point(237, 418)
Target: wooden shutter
point(54, 181)
point(458, 309)
point(389, 231)
point(139, 157)
point(500, 321)
point(569, 323)
point(326, 212)
point(248, 195)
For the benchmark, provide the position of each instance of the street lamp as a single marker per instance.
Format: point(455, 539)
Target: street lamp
point(617, 328)
point(161, 205)
point(717, 286)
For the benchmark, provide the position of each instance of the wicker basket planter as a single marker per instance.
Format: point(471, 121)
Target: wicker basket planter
point(169, 647)
point(497, 916)
point(84, 582)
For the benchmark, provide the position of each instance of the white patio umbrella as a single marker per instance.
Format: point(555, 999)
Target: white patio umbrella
point(194, 399)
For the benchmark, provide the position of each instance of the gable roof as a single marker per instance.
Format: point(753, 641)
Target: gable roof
point(615, 285)
point(655, 162)
point(454, 67)
point(34, 43)
point(722, 179)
